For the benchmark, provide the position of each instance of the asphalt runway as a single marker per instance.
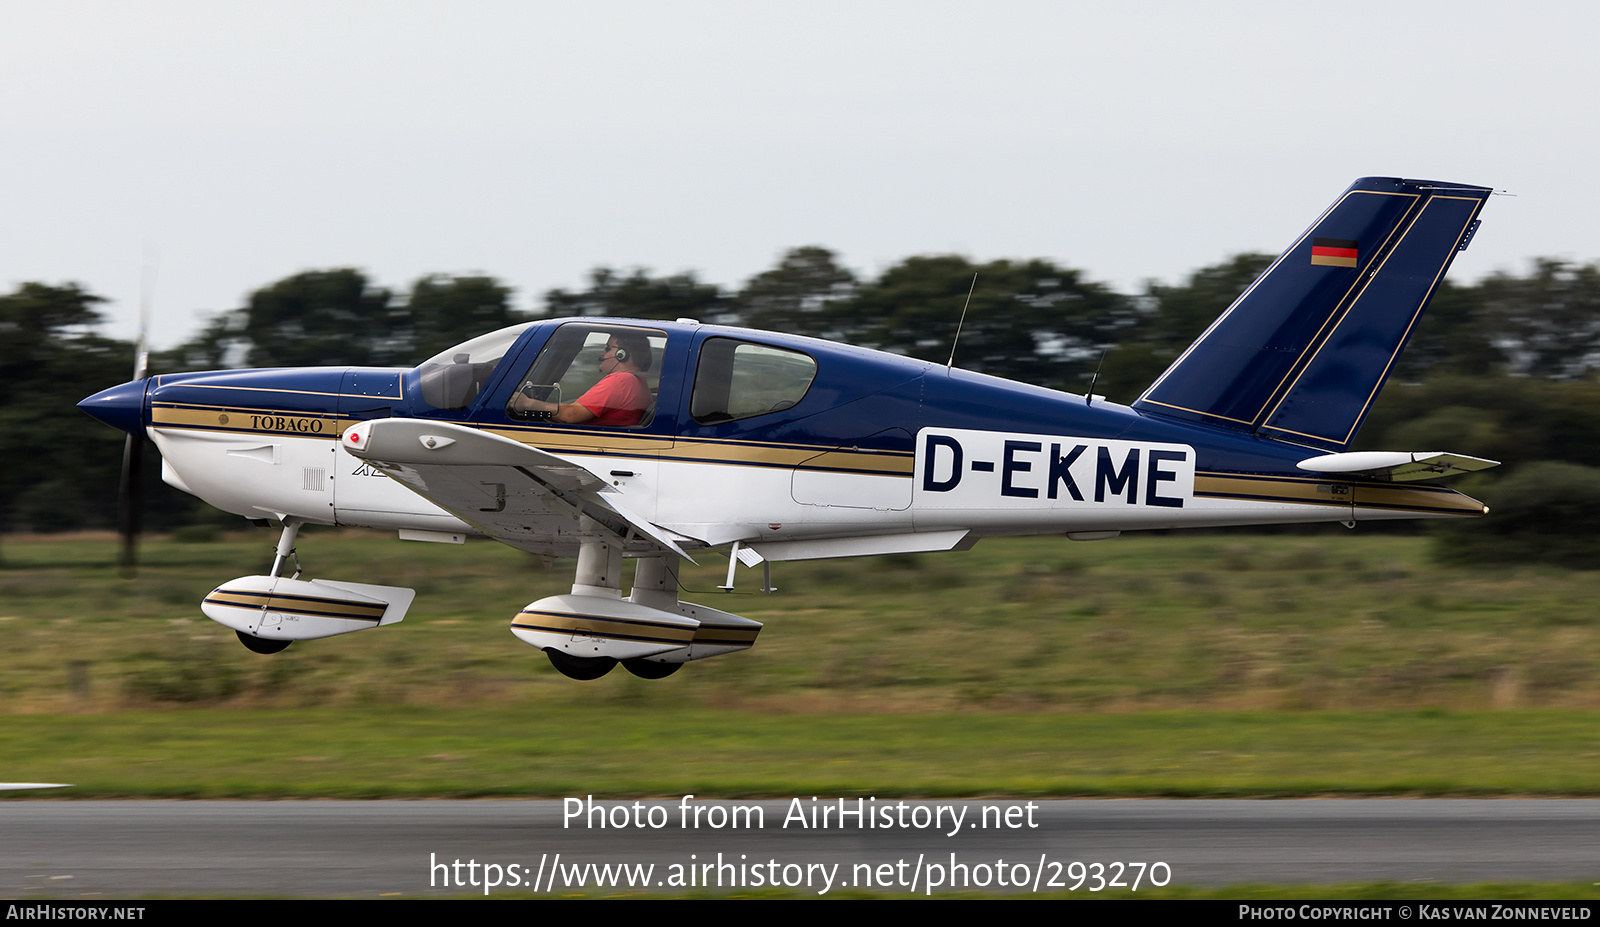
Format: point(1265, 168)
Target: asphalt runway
point(91, 849)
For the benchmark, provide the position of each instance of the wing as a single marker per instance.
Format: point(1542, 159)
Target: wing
point(516, 494)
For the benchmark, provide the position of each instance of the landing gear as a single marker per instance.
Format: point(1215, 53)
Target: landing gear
point(285, 550)
point(650, 669)
point(580, 667)
point(652, 632)
point(268, 612)
point(260, 644)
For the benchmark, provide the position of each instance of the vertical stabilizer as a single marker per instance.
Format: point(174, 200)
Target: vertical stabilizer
point(1302, 353)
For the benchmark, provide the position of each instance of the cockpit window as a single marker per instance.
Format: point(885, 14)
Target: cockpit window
point(612, 371)
point(738, 379)
point(451, 379)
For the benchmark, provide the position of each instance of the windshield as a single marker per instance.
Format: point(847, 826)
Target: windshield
point(451, 379)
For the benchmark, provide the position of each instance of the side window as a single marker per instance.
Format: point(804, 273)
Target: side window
point(579, 356)
point(739, 379)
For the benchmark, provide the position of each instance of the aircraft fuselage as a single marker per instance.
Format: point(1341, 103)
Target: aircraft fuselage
point(878, 445)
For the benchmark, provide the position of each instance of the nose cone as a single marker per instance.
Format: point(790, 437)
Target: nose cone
point(121, 407)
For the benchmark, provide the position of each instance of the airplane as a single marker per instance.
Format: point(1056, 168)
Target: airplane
point(604, 439)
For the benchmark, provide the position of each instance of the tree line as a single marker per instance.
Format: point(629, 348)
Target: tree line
point(1504, 368)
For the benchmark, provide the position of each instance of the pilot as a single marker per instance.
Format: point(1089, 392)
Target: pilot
point(620, 398)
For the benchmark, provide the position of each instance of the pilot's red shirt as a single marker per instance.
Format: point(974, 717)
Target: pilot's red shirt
point(619, 399)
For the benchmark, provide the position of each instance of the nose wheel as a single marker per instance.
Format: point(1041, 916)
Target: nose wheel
point(260, 644)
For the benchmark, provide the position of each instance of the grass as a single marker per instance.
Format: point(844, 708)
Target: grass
point(617, 752)
point(1218, 665)
point(1233, 623)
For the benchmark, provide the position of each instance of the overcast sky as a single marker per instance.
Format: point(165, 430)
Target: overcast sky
point(244, 142)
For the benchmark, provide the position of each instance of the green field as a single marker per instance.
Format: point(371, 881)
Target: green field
point(619, 750)
point(1220, 665)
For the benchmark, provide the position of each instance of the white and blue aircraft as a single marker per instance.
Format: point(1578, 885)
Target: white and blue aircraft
point(609, 438)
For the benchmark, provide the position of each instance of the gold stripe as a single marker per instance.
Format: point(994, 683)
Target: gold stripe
point(208, 418)
point(812, 458)
point(746, 453)
point(626, 629)
point(1312, 491)
point(564, 440)
point(1414, 498)
point(596, 626)
point(1449, 256)
point(400, 389)
point(609, 437)
point(237, 599)
point(1308, 492)
point(247, 420)
point(1226, 418)
point(333, 608)
point(1336, 315)
point(1365, 284)
point(755, 442)
point(860, 460)
point(1329, 260)
point(727, 450)
point(237, 420)
point(277, 605)
point(706, 634)
point(260, 597)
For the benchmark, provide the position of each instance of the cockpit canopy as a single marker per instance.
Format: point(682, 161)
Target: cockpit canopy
point(451, 378)
point(725, 377)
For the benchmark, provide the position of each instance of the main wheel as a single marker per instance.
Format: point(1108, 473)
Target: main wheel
point(650, 669)
point(260, 644)
point(580, 667)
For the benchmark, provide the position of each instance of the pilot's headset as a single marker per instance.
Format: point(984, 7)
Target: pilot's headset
point(643, 357)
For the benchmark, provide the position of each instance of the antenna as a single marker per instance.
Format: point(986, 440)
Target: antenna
point(1088, 397)
point(951, 362)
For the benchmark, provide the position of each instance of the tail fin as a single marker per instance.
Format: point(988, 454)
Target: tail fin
point(1301, 355)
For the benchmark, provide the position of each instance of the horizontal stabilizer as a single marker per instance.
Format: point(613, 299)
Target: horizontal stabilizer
point(1301, 355)
point(1398, 466)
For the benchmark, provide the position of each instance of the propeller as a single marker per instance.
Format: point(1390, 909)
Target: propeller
point(130, 498)
point(130, 505)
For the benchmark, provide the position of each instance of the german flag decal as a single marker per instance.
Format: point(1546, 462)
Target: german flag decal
point(1333, 252)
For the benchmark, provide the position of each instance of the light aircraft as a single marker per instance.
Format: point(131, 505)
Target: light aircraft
point(780, 448)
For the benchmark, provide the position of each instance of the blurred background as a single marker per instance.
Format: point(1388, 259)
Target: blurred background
point(368, 183)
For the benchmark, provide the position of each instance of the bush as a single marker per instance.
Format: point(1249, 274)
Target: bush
point(1544, 512)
